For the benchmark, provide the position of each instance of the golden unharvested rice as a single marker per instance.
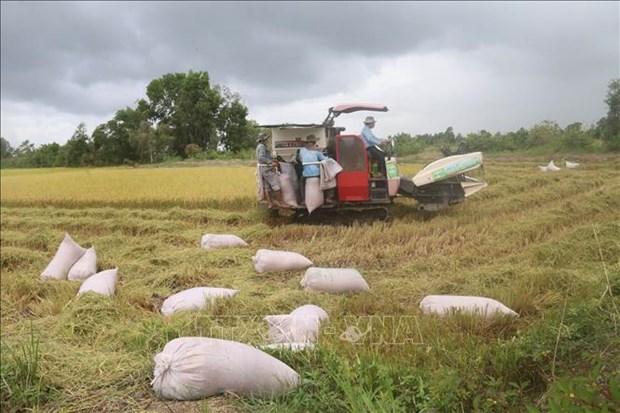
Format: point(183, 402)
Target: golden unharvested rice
point(122, 184)
point(130, 184)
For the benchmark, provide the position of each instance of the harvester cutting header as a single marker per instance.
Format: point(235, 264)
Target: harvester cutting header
point(318, 166)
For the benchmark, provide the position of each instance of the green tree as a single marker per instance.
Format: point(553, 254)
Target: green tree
point(612, 123)
point(232, 124)
point(515, 140)
point(46, 155)
point(448, 135)
point(188, 104)
point(575, 137)
point(79, 148)
point(162, 142)
point(481, 141)
point(150, 144)
point(114, 141)
point(405, 144)
point(141, 140)
point(543, 133)
point(6, 151)
point(24, 149)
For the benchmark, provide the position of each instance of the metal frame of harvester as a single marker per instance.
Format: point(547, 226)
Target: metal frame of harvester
point(438, 185)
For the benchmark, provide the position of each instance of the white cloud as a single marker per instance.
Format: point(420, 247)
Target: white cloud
point(489, 88)
point(41, 124)
point(466, 65)
point(466, 90)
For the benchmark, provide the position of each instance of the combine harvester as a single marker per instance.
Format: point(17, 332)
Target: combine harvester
point(360, 188)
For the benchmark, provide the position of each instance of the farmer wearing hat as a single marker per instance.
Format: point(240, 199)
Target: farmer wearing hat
point(371, 141)
point(268, 166)
point(310, 158)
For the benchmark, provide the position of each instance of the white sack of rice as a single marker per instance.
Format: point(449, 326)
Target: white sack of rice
point(196, 298)
point(191, 368)
point(85, 266)
point(213, 241)
point(275, 261)
point(300, 326)
point(67, 254)
point(103, 283)
point(334, 280)
point(448, 304)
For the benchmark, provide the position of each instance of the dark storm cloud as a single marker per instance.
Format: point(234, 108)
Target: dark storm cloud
point(79, 57)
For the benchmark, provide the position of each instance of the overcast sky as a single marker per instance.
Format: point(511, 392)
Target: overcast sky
point(497, 66)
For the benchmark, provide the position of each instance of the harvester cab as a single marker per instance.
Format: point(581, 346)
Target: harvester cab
point(362, 184)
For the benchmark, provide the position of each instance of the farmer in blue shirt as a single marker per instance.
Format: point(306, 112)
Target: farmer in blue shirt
point(371, 141)
point(310, 158)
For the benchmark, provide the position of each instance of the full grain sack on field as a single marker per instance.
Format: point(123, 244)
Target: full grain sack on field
point(68, 253)
point(103, 283)
point(334, 280)
point(447, 304)
point(300, 326)
point(213, 241)
point(273, 261)
point(191, 368)
point(196, 298)
point(85, 266)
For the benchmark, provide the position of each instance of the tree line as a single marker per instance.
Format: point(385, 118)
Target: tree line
point(544, 137)
point(184, 116)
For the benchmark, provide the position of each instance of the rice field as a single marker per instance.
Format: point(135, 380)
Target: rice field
point(545, 244)
point(126, 185)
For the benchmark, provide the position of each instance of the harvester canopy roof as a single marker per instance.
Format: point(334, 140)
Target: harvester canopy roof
point(355, 107)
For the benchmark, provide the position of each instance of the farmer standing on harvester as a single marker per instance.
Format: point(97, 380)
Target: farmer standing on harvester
point(371, 141)
point(268, 166)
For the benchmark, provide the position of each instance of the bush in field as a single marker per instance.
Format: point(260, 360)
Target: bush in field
point(192, 150)
point(405, 144)
point(575, 138)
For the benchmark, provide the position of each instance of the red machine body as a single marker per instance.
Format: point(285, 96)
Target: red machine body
point(352, 182)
